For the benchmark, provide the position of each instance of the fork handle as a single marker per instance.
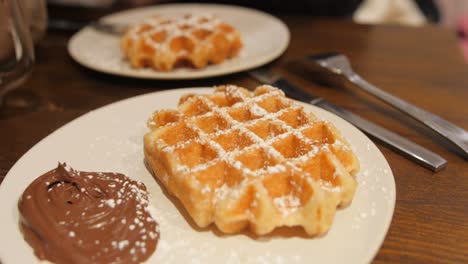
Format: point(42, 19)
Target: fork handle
point(65, 24)
point(457, 135)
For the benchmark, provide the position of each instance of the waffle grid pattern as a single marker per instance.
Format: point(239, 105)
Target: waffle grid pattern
point(240, 159)
point(163, 43)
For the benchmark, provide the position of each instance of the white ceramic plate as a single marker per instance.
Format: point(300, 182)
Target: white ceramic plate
point(264, 36)
point(110, 139)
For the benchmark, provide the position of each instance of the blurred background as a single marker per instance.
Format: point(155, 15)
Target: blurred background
point(452, 14)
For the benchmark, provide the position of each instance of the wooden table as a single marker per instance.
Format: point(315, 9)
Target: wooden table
point(421, 65)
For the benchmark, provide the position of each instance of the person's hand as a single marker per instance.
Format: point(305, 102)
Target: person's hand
point(462, 30)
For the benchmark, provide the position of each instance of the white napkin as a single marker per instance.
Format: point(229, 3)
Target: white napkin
point(404, 12)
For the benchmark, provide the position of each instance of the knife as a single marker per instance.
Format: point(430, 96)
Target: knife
point(414, 152)
point(115, 29)
point(337, 67)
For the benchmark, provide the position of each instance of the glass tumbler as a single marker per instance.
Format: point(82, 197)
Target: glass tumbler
point(16, 47)
point(35, 14)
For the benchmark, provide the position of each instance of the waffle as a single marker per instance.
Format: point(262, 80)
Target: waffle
point(255, 160)
point(165, 43)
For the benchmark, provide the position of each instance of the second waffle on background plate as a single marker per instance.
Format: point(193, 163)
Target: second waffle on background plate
point(264, 38)
point(193, 41)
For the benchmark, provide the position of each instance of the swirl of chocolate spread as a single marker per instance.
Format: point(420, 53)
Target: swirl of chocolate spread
point(69, 216)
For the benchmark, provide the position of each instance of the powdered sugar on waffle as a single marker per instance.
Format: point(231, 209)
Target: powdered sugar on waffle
point(287, 204)
point(166, 43)
point(244, 118)
point(241, 126)
point(175, 27)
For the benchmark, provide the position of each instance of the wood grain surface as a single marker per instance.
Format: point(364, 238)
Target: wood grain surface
point(421, 65)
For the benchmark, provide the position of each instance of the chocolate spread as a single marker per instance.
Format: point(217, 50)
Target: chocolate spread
point(69, 216)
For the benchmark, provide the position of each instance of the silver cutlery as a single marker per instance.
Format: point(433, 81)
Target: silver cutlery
point(337, 65)
point(401, 145)
point(116, 29)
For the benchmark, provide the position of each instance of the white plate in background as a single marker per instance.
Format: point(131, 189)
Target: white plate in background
point(265, 38)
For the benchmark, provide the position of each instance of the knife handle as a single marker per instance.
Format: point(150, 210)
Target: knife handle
point(405, 147)
point(457, 135)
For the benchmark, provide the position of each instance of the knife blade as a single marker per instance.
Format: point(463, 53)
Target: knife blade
point(411, 150)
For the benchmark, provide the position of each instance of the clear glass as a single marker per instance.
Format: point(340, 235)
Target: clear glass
point(35, 13)
point(16, 47)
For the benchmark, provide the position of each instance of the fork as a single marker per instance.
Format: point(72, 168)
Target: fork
point(99, 25)
point(337, 65)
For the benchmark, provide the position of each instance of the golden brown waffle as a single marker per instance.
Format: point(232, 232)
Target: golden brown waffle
point(240, 159)
point(164, 43)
